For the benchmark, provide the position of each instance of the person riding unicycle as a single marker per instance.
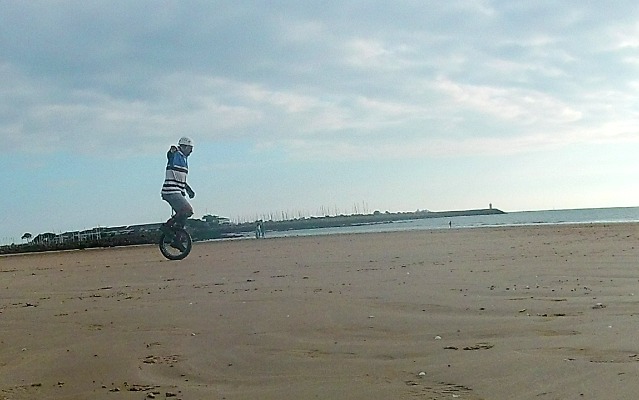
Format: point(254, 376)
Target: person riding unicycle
point(175, 188)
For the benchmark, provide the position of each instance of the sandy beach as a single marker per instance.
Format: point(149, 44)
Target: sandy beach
point(548, 312)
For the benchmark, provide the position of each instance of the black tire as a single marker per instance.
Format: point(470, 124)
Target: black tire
point(183, 240)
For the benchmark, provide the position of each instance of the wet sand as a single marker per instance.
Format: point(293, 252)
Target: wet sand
point(549, 312)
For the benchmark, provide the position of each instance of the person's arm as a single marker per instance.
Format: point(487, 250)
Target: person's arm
point(190, 191)
point(170, 153)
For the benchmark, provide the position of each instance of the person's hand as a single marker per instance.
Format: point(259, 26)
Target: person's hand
point(190, 192)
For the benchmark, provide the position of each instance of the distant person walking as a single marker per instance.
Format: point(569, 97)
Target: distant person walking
point(175, 188)
point(259, 229)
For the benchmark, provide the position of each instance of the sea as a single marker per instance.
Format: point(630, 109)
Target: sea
point(519, 218)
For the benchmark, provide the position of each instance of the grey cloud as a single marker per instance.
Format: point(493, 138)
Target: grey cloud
point(313, 71)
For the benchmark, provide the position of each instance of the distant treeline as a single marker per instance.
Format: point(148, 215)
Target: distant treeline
point(124, 240)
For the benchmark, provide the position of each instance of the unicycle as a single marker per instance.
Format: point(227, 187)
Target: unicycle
point(175, 244)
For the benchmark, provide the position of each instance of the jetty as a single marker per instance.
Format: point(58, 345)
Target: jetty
point(354, 220)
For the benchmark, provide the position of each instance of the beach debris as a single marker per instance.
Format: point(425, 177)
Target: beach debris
point(523, 310)
point(422, 373)
point(480, 346)
point(598, 306)
point(438, 337)
point(451, 348)
point(144, 388)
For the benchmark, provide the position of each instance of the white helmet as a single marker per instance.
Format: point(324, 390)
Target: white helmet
point(185, 141)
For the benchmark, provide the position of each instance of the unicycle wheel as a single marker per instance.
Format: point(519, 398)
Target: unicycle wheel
point(176, 245)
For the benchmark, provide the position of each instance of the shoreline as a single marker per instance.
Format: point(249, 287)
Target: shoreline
point(208, 229)
point(313, 232)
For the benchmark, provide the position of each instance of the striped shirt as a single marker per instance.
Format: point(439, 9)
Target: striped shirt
point(177, 168)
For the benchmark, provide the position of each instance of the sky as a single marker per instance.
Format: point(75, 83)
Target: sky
point(305, 108)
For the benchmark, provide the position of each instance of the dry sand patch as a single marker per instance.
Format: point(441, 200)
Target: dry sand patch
point(511, 313)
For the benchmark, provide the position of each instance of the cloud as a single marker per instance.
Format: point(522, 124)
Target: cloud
point(525, 106)
point(342, 78)
point(362, 53)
